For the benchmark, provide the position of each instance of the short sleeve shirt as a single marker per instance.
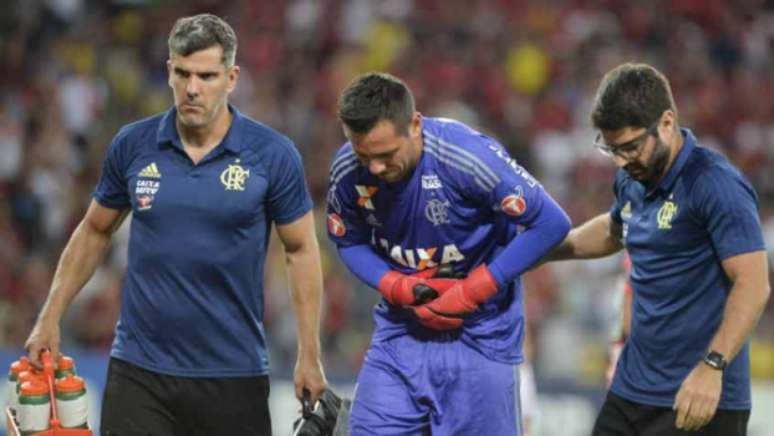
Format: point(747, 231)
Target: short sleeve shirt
point(192, 302)
point(677, 234)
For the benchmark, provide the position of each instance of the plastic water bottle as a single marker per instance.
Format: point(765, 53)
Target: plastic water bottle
point(64, 365)
point(71, 403)
point(34, 406)
point(25, 376)
point(23, 364)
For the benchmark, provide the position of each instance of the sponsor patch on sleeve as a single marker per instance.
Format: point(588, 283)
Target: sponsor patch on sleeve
point(514, 205)
point(336, 225)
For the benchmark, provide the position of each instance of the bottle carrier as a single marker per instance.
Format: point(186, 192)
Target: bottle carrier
point(55, 426)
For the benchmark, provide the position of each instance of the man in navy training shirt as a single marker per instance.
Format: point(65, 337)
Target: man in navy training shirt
point(204, 184)
point(699, 273)
point(407, 195)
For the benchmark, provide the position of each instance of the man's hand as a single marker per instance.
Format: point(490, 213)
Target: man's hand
point(309, 375)
point(613, 353)
point(44, 336)
point(698, 397)
point(447, 311)
point(418, 288)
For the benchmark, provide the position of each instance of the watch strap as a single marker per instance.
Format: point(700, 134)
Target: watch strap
point(715, 360)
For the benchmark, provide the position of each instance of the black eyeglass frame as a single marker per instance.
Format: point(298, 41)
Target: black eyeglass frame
point(629, 149)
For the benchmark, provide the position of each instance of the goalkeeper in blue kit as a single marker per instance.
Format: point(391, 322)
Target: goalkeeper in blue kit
point(408, 195)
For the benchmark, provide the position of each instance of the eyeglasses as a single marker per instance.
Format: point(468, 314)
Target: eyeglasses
point(628, 150)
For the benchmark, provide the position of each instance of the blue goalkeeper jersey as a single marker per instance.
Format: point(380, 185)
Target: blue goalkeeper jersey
point(192, 300)
point(677, 233)
point(464, 202)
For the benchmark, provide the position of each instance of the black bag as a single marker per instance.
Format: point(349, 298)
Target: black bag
point(321, 420)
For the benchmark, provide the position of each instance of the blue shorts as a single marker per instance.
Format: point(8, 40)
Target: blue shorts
point(411, 386)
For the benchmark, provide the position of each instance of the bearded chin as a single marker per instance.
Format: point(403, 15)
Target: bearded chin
point(658, 162)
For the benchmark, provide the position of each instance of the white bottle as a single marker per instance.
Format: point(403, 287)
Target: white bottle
point(23, 364)
point(64, 365)
point(22, 377)
point(34, 410)
point(71, 404)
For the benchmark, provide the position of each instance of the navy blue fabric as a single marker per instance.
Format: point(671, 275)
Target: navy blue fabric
point(677, 233)
point(192, 301)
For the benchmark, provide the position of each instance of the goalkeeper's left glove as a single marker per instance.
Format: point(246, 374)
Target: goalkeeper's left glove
point(439, 280)
point(448, 311)
point(418, 288)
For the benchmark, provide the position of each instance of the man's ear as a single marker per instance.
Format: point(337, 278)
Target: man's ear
point(233, 77)
point(415, 126)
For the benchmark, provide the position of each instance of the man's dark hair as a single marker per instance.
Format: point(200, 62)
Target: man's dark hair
point(374, 97)
point(200, 32)
point(631, 95)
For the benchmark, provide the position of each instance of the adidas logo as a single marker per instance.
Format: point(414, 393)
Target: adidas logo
point(626, 212)
point(150, 171)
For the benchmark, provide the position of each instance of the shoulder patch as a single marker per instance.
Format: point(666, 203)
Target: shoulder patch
point(514, 205)
point(336, 225)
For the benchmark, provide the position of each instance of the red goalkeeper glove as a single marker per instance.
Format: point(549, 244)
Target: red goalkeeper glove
point(448, 311)
point(418, 288)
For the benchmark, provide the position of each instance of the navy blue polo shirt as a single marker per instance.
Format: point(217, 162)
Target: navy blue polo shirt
point(677, 233)
point(192, 301)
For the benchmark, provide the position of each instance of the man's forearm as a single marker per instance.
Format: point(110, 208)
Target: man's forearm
point(597, 237)
point(80, 258)
point(743, 309)
point(305, 279)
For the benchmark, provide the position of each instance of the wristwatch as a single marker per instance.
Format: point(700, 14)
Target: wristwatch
point(715, 360)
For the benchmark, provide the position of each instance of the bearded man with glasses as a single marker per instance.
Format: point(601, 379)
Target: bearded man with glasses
point(689, 221)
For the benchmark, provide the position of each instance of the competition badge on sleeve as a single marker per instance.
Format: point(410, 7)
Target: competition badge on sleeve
point(514, 204)
point(335, 222)
point(336, 225)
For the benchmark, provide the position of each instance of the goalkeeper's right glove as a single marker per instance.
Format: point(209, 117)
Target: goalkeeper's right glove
point(418, 288)
point(461, 300)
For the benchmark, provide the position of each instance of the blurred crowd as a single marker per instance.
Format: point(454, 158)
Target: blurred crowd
point(74, 71)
